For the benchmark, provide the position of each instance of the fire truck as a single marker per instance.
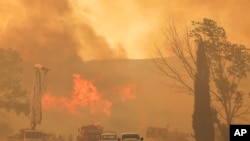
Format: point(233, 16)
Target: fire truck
point(90, 133)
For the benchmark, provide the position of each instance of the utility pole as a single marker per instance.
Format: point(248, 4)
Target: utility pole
point(39, 87)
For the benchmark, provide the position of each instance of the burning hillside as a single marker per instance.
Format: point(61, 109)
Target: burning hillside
point(86, 95)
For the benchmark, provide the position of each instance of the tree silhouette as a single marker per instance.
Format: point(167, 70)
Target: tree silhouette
point(202, 116)
point(12, 95)
point(228, 63)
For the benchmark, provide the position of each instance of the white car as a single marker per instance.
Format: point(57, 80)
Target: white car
point(109, 136)
point(130, 137)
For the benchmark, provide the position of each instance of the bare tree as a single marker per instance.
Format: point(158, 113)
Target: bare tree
point(229, 64)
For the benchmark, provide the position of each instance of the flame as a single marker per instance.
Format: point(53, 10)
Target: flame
point(84, 95)
point(126, 92)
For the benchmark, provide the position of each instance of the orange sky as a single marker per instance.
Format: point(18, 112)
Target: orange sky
point(99, 29)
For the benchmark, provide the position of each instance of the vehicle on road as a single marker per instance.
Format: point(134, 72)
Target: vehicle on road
point(33, 135)
point(90, 133)
point(27, 135)
point(131, 137)
point(109, 136)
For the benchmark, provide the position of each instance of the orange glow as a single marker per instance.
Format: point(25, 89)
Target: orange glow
point(85, 29)
point(128, 92)
point(84, 95)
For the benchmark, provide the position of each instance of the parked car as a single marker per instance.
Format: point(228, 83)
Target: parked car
point(130, 137)
point(108, 136)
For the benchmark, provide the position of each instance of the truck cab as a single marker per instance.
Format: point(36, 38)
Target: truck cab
point(90, 133)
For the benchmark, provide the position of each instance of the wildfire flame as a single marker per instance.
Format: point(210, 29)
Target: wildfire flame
point(86, 96)
point(128, 92)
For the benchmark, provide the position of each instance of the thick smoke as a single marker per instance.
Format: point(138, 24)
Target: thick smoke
point(61, 34)
point(107, 30)
point(48, 32)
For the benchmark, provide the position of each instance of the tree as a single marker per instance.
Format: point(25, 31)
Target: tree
point(228, 63)
point(12, 95)
point(202, 121)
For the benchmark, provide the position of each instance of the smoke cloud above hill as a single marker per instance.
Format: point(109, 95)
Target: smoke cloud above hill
point(106, 29)
point(38, 29)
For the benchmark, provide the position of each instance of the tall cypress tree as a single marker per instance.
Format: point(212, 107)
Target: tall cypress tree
point(202, 115)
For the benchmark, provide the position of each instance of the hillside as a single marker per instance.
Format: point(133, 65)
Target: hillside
point(121, 95)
